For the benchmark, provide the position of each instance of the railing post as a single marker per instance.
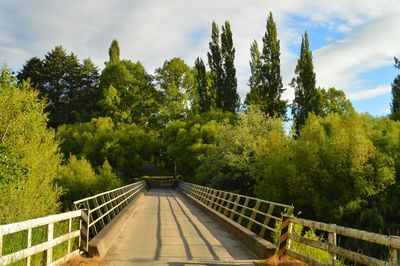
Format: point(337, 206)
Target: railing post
point(266, 220)
point(243, 212)
point(283, 240)
point(332, 241)
point(69, 231)
point(394, 253)
point(228, 203)
point(28, 259)
point(235, 205)
point(253, 215)
point(50, 234)
point(84, 227)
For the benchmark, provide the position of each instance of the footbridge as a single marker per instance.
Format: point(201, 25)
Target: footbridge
point(164, 222)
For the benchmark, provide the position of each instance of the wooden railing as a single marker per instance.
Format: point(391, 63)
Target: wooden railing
point(25, 230)
point(259, 216)
point(330, 246)
point(103, 207)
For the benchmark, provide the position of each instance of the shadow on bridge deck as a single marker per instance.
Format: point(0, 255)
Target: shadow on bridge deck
point(166, 229)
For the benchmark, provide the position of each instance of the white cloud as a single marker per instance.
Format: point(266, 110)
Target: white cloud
point(369, 93)
point(153, 31)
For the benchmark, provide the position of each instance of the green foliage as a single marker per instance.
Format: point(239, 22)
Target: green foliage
point(80, 180)
point(71, 88)
point(266, 81)
point(230, 164)
point(128, 94)
point(306, 97)
point(124, 146)
point(175, 81)
point(221, 60)
point(395, 105)
point(28, 154)
point(183, 142)
point(333, 101)
point(202, 84)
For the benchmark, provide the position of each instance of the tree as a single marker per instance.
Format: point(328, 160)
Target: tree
point(215, 63)
point(113, 52)
point(221, 60)
point(29, 156)
point(395, 106)
point(266, 81)
point(306, 97)
point(70, 87)
point(230, 97)
point(255, 81)
point(334, 101)
point(175, 81)
point(202, 86)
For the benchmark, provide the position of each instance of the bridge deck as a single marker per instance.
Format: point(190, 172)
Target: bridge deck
point(166, 229)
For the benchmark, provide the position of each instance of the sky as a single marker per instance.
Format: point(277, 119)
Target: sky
point(353, 41)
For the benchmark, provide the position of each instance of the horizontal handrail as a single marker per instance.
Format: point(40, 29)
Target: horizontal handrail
point(106, 192)
point(25, 225)
point(229, 204)
point(391, 242)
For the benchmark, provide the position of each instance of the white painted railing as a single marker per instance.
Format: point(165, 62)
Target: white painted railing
point(46, 246)
point(103, 207)
point(91, 216)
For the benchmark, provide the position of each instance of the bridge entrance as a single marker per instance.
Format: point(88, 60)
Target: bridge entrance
point(167, 229)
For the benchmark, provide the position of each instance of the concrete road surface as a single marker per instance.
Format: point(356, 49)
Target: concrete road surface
point(166, 229)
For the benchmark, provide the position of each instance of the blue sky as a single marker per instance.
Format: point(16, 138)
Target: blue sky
point(353, 42)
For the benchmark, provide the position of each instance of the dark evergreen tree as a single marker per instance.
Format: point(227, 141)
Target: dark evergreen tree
point(32, 70)
point(255, 82)
point(71, 88)
point(230, 99)
point(202, 86)
point(113, 52)
point(395, 106)
point(266, 81)
point(215, 63)
point(306, 96)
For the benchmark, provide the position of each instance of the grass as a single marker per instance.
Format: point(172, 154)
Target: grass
point(19, 241)
point(283, 261)
point(79, 260)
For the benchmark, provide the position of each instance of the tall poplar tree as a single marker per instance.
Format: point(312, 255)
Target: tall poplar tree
point(230, 97)
point(255, 82)
point(306, 96)
point(266, 81)
point(221, 60)
point(395, 105)
point(204, 97)
point(113, 52)
point(215, 63)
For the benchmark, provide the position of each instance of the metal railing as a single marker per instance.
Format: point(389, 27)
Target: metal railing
point(103, 207)
point(331, 247)
point(257, 215)
point(51, 234)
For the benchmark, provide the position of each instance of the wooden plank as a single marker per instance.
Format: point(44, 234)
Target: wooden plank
point(385, 240)
point(50, 235)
